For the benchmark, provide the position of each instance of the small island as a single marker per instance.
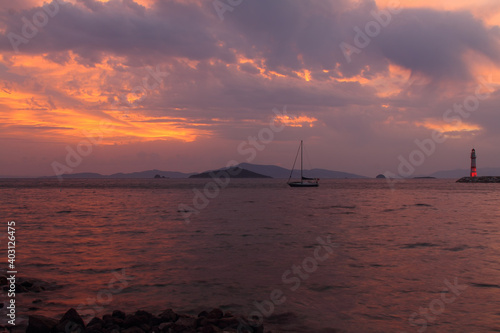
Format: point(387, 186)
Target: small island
point(483, 179)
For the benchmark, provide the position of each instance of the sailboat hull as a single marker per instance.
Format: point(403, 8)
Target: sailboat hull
point(299, 184)
point(308, 182)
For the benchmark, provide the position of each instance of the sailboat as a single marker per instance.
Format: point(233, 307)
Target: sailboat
point(304, 181)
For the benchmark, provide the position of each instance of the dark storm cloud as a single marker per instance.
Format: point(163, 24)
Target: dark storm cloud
point(289, 35)
point(117, 27)
point(434, 43)
point(423, 40)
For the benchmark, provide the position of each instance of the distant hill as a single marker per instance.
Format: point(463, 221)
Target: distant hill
point(132, 175)
point(279, 172)
point(268, 170)
point(234, 172)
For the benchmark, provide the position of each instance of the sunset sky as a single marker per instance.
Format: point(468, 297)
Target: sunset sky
point(181, 85)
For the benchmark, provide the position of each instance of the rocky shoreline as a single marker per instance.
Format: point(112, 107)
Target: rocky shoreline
point(214, 321)
point(483, 179)
point(168, 321)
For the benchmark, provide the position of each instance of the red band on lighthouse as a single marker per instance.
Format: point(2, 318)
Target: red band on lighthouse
point(473, 172)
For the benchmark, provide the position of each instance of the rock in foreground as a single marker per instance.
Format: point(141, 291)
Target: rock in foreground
point(215, 321)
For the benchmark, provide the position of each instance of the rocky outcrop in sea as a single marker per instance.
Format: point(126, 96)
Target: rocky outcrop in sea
point(483, 179)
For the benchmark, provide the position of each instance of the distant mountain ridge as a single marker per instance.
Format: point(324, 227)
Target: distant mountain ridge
point(279, 172)
point(132, 175)
point(272, 171)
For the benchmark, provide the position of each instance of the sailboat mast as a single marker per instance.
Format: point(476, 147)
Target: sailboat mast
point(301, 154)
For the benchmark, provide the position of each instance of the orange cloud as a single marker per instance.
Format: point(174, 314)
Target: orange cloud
point(59, 102)
point(298, 121)
point(444, 127)
point(305, 75)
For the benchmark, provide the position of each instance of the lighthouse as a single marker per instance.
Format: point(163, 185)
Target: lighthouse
point(473, 172)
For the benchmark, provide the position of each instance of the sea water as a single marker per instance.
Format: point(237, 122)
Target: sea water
point(349, 256)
